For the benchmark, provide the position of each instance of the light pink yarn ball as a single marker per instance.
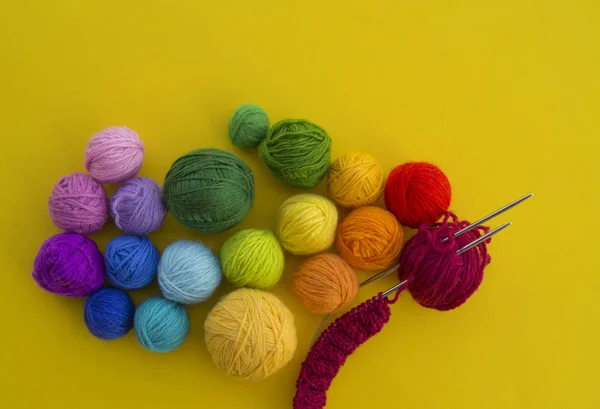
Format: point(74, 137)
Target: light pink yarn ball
point(78, 204)
point(114, 155)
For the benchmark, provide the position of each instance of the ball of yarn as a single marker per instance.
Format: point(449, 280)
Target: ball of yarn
point(188, 272)
point(248, 126)
point(131, 261)
point(209, 190)
point(114, 154)
point(370, 239)
point(306, 224)
point(250, 334)
point(108, 313)
point(161, 325)
point(69, 264)
point(138, 206)
point(437, 277)
point(297, 152)
point(355, 180)
point(417, 192)
point(325, 284)
point(78, 203)
point(252, 258)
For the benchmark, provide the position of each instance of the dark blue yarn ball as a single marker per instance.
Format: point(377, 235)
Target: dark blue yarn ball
point(108, 313)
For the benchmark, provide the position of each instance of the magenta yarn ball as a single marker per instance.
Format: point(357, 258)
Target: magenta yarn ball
point(78, 203)
point(69, 264)
point(114, 155)
point(138, 206)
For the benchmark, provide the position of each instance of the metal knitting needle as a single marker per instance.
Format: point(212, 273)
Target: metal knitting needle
point(467, 247)
point(455, 235)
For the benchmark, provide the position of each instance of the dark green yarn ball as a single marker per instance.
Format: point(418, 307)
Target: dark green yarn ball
point(248, 126)
point(297, 152)
point(209, 190)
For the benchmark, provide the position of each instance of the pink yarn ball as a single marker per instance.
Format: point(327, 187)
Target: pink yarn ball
point(78, 203)
point(114, 155)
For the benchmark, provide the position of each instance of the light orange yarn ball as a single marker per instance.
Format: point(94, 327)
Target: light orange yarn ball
point(355, 180)
point(370, 239)
point(325, 283)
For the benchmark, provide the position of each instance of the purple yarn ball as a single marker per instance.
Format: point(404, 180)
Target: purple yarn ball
point(69, 264)
point(78, 203)
point(138, 206)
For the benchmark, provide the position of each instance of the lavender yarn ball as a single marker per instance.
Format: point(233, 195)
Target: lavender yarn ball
point(69, 264)
point(138, 206)
point(114, 154)
point(78, 203)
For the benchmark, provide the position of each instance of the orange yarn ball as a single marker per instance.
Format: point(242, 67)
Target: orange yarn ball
point(325, 283)
point(370, 239)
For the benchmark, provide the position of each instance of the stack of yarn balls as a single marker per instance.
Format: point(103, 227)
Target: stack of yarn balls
point(249, 333)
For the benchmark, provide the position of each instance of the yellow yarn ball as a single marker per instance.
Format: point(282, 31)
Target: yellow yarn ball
point(306, 224)
point(355, 180)
point(250, 334)
point(252, 258)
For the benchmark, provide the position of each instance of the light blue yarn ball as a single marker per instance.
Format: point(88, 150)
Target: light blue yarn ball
point(161, 325)
point(188, 272)
point(131, 261)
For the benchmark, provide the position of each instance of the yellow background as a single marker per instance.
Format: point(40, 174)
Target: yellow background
point(503, 95)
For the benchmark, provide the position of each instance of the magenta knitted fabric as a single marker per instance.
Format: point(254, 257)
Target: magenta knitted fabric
point(334, 346)
point(437, 276)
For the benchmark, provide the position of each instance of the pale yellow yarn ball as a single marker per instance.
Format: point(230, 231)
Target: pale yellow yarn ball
point(250, 334)
point(306, 224)
point(355, 180)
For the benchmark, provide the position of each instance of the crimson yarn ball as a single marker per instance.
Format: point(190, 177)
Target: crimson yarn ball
point(438, 277)
point(417, 192)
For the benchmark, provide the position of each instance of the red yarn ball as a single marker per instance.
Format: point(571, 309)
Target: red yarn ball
point(437, 277)
point(417, 192)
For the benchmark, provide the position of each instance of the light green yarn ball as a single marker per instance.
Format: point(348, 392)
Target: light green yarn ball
point(248, 126)
point(297, 152)
point(252, 258)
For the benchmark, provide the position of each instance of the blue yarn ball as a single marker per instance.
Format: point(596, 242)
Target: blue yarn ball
point(161, 325)
point(131, 261)
point(188, 272)
point(108, 313)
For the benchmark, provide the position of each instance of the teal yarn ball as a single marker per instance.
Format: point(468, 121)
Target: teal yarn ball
point(297, 152)
point(161, 325)
point(209, 190)
point(248, 126)
point(188, 272)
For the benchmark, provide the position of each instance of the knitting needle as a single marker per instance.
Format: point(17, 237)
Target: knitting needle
point(455, 235)
point(489, 216)
point(460, 251)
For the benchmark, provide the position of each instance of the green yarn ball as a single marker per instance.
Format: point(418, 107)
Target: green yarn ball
point(297, 152)
point(248, 126)
point(209, 190)
point(252, 258)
